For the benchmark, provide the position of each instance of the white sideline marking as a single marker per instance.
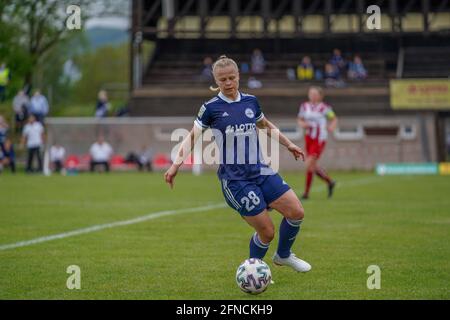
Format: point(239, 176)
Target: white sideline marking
point(99, 227)
point(348, 183)
point(155, 215)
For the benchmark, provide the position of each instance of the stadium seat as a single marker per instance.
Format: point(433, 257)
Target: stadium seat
point(118, 163)
point(72, 162)
point(161, 161)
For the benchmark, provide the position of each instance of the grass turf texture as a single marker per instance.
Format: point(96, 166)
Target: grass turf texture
point(399, 223)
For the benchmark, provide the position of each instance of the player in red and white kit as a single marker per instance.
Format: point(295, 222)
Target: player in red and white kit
point(317, 119)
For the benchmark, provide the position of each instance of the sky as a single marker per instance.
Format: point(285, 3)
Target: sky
point(109, 22)
point(110, 13)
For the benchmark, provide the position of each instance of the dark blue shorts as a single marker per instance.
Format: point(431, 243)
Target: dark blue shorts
point(251, 197)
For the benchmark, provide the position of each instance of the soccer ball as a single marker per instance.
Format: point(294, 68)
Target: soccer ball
point(253, 276)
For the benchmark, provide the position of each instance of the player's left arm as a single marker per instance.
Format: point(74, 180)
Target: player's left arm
point(270, 129)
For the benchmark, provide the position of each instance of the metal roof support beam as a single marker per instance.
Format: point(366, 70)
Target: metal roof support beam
point(327, 10)
point(265, 13)
point(202, 10)
point(361, 11)
point(297, 9)
point(234, 13)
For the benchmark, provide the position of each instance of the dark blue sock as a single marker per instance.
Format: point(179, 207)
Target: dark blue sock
point(258, 249)
point(288, 232)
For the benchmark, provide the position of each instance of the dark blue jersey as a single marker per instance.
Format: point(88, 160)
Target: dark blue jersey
point(9, 153)
point(234, 128)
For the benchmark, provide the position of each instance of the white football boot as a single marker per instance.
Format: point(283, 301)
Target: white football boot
point(292, 261)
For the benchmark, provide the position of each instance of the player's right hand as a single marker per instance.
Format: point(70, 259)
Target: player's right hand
point(306, 125)
point(296, 151)
point(170, 174)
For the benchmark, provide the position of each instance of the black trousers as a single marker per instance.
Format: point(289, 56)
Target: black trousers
point(8, 162)
point(32, 152)
point(21, 117)
point(57, 165)
point(12, 165)
point(94, 164)
point(147, 165)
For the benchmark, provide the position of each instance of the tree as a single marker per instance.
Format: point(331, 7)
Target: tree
point(30, 29)
point(36, 27)
point(34, 31)
point(105, 65)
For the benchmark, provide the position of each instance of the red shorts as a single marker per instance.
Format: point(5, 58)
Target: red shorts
point(314, 147)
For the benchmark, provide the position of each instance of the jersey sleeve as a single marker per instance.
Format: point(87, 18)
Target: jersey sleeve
point(301, 111)
point(203, 120)
point(259, 114)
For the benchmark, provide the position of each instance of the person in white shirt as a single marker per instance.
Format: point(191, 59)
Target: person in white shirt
point(33, 137)
point(39, 106)
point(57, 155)
point(101, 152)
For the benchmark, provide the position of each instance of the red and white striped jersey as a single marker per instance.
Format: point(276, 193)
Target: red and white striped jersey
point(316, 115)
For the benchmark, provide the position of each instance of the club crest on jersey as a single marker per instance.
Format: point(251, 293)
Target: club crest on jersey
point(249, 113)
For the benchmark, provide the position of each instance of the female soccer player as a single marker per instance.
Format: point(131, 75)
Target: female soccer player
point(249, 187)
point(317, 119)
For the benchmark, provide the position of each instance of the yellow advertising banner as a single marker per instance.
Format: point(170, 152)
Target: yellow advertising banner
point(420, 94)
point(444, 168)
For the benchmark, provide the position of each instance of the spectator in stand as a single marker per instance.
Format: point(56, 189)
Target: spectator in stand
point(333, 76)
point(291, 74)
point(5, 76)
point(3, 131)
point(103, 106)
point(143, 159)
point(305, 70)
point(21, 104)
point(245, 68)
point(206, 74)
point(356, 69)
point(338, 61)
point(254, 83)
point(39, 106)
point(57, 156)
point(123, 111)
point(258, 64)
point(2, 159)
point(33, 137)
point(8, 156)
point(101, 153)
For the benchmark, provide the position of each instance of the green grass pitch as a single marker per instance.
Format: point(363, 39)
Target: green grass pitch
point(401, 224)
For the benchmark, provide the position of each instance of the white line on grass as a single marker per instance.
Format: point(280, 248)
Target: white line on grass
point(348, 183)
point(99, 227)
point(152, 216)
